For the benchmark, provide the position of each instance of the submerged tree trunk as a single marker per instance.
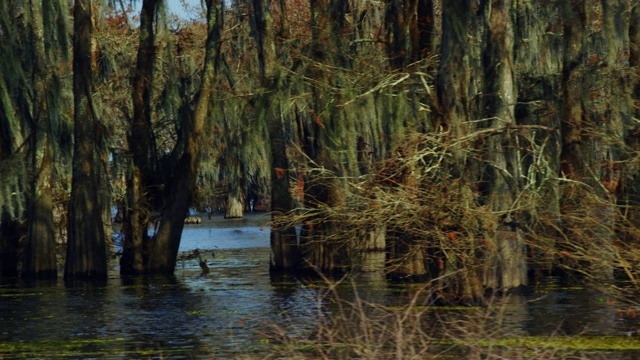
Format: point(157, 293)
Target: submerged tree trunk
point(165, 247)
point(86, 246)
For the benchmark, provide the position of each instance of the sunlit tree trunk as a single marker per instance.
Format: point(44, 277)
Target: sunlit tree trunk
point(505, 265)
point(167, 242)
point(86, 246)
point(235, 200)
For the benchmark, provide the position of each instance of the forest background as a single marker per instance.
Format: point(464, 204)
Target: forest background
point(473, 144)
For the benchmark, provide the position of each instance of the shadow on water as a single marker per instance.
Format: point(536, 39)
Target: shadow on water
point(225, 312)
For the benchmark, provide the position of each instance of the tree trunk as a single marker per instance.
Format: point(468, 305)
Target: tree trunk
point(165, 247)
point(410, 31)
point(235, 202)
point(40, 259)
point(284, 243)
point(539, 65)
point(322, 130)
point(86, 246)
point(572, 72)
point(452, 85)
point(40, 247)
point(629, 189)
point(10, 233)
point(135, 247)
point(140, 194)
point(591, 129)
point(423, 36)
point(14, 186)
point(634, 41)
point(507, 268)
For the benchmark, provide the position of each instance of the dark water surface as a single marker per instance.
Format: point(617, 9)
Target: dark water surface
point(224, 313)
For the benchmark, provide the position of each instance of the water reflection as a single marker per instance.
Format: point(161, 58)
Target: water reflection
point(225, 312)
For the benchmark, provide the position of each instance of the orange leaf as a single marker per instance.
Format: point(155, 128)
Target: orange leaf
point(279, 172)
point(318, 121)
point(452, 235)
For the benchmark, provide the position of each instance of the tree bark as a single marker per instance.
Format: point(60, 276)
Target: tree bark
point(572, 71)
point(164, 250)
point(321, 131)
point(452, 85)
point(235, 205)
point(284, 243)
point(142, 170)
point(86, 246)
point(629, 189)
point(40, 247)
point(592, 125)
point(411, 30)
point(10, 233)
point(538, 60)
point(507, 268)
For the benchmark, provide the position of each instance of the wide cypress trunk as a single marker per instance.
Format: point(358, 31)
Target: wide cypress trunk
point(505, 265)
point(40, 247)
point(86, 245)
point(40, 259)
point(452, 85)
point(591, 129)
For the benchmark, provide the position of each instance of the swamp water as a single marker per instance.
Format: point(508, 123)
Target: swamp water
point(227, 312)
